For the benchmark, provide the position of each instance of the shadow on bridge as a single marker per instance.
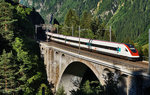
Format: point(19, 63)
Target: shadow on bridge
point(139, 84)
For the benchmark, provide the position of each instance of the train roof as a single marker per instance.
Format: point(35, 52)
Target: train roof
point(91, 39)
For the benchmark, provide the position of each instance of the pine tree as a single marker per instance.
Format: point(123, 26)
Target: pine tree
point(6, 24)
point(95, 24)
point(8, 71)
point(71, 20)
point(107, 36)
point(28, 66)
point(6, 19)
point(100, 32)
point(86, 20)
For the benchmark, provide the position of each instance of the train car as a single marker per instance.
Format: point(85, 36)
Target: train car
point(117, 49)
point(112, 48)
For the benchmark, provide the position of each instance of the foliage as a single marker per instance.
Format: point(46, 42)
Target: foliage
point(145, 50)
point(61, 91)
point(6, 20)
point(145, 53)
point(6, 25)
point(88, 27)
point(86, 20)
point(44, 90)
point(21, 67)
point(71, 20)
point(110, 87)
point(107, 36)
point(28, 62)
point(16, 1)
point(26, 28)
point(8, 75)
point(140, 50)
point(128, 40)
point(128, 18)
point(96, 24)
point(132, 20)
point(95, 88)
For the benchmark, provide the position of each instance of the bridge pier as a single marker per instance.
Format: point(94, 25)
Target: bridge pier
point(135, 85)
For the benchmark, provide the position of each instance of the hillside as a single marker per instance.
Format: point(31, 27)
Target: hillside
point(128, 18)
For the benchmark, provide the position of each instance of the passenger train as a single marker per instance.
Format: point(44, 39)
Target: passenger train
point(121, 50)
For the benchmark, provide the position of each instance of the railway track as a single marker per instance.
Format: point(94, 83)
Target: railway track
point(114, 60)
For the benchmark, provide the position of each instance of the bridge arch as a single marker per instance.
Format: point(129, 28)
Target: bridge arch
point(58, 62)
point(74, 73)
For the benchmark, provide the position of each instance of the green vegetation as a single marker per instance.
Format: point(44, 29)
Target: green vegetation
point(8, 75)
point(21, 69)
point(6, 25)
point(61, 91)
point(44, 89)
point(95, 88)
point(93, 28)
point(89, 27)
point(21, 66)
point(128, 18)
point(89, 88)
point(132, 21)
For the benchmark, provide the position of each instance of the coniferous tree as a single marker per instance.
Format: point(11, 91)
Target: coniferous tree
point(100, 32)
point(95, 24)
point(6, 19)
point(86, 20)
point(6, 24)
point(18, 79)
point(28, 62)
point(71, 20)
point(8, 74)
point(107, 36)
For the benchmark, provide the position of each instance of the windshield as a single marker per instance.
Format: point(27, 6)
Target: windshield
point(132, 48)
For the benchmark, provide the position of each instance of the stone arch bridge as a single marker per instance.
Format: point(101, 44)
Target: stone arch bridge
point(67, 68)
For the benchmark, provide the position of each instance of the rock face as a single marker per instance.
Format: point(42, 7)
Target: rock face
point(60, 7)
point(128, 18)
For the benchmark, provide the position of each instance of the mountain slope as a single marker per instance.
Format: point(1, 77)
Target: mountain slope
point(128, 18)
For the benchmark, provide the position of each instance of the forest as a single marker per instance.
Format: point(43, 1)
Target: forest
point(129, 19)
point(93, 28)
point(21, 66)
point(22, 70)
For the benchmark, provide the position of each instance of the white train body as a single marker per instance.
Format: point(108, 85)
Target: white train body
point(111, 48)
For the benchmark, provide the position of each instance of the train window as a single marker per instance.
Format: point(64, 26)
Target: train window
point(132, 48)
point(126, 50)
point(105, 47)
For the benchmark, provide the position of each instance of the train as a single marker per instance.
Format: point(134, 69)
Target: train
point(121, 50)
